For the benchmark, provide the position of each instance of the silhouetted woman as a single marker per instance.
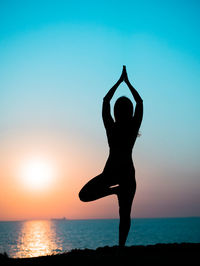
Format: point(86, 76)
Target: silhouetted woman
point(118, 176)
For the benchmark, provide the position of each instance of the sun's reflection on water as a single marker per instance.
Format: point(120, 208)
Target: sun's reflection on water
point(37, 238)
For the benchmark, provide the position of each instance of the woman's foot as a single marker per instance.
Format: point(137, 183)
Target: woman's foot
point(115, 190)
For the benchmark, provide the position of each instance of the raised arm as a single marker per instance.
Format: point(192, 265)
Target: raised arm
point(138, 115)
point(107, 118)
point(111, 92)
point(135, 94)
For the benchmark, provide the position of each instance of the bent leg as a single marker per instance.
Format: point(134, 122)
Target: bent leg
point(125, 199)
point(96, 188)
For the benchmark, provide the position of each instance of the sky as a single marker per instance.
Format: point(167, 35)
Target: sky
point(58, 59)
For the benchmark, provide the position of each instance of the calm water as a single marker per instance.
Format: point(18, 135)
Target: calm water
point(35, 238)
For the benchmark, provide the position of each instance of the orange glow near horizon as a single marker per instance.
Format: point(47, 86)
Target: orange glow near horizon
point(40, 178)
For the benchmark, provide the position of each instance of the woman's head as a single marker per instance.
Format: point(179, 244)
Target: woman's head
point(123, 109)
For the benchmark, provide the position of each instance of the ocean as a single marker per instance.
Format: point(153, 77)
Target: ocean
point(42, 237)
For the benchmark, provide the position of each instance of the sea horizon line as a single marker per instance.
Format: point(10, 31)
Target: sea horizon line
point(86, 219)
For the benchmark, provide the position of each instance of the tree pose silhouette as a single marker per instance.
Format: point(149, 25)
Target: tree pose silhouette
point(118, 176)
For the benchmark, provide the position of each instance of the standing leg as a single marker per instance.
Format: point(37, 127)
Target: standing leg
point(125, 199)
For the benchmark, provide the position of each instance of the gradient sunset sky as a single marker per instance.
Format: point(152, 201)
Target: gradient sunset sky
point(57, 61)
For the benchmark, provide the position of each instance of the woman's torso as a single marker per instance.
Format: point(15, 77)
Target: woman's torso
point(121, 139)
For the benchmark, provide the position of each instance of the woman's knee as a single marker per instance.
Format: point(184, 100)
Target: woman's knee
point(83, 195)
point(90, 190)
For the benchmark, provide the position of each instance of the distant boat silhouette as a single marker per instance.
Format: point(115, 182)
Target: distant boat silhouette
point(59, 219)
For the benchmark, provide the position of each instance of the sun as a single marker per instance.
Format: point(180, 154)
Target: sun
point(37, 173)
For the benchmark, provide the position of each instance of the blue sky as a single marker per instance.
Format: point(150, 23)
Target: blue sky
point(59, 58)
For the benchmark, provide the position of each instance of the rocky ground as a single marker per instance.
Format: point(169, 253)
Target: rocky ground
point(160, 254)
